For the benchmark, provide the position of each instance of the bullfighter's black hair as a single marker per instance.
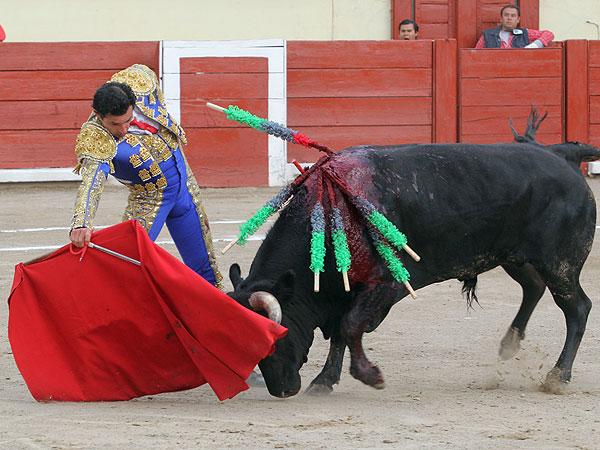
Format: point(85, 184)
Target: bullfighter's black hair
point(113, 98)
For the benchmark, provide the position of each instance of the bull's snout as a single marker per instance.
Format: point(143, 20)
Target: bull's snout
point(283, 390)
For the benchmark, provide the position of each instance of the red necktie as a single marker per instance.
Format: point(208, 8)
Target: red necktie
point(144, 126)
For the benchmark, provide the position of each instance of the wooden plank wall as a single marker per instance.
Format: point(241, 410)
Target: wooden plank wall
point(349, 93)
point(340, 93)
point(495, 85)
point(46, 93)
point(436, 18)
point(594, 92)
point(220, 151)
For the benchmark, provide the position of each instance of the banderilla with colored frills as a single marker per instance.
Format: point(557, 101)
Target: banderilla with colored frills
point(384, 234)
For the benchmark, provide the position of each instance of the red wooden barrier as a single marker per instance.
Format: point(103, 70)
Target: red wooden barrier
point(496, 85)
point(445, 101)
point(340, 93)
point(466, 25)
point(359, 92)
point(46, 92)
point(576, 93)
point(436, 19)
point(594, 92)
point(220, 151)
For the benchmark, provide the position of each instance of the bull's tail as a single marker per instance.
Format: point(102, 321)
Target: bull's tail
point(468, 291)
point(533, 123)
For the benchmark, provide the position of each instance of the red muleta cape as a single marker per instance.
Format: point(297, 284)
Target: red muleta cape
point(105, 329)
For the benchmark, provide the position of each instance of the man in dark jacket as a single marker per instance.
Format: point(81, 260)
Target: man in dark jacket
point(508, 35)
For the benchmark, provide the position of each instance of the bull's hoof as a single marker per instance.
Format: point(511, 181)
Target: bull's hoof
point(556, 381)
point(510, 344)
point(318, 389)
point(370, 375)
point(380, 385)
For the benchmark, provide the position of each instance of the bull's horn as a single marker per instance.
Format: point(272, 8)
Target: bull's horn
point(263, 300)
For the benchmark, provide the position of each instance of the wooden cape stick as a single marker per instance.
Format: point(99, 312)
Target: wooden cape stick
point(91, 245)
point(115, 254)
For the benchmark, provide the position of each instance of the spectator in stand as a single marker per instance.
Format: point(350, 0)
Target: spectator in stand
point(507, 35)
point(408, 30)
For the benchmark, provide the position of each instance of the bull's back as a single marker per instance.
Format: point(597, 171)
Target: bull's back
point(444, 180)
point(469, 207)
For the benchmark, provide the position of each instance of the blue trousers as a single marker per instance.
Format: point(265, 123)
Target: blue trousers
point(178, 211)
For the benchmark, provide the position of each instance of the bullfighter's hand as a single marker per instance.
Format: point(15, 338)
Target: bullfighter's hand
point(81, 236)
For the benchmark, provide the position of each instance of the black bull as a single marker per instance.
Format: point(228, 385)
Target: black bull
point(465, 209)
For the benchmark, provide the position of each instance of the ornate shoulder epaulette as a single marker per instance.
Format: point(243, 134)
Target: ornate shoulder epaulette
point(148, 71)
point(139, 78)
point(96, 143)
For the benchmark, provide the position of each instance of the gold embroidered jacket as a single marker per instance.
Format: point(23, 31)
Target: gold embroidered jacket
point(133, 160)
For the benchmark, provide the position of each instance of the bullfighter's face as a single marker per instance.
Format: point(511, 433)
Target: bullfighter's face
point(117, 125)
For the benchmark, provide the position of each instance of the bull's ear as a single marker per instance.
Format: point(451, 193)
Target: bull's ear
point(285, 286)
point(235, 275)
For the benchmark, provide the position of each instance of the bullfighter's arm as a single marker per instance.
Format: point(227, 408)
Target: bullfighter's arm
point(93, 176)
point(95, 148)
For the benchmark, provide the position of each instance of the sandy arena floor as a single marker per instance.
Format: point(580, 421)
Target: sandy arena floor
point(445, 389)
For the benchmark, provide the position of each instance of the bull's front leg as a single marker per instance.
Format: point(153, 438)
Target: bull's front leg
point(330, 375)
point(360, 367)
point(366, 307)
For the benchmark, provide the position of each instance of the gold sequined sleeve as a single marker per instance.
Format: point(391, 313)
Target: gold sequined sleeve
point(93, 176)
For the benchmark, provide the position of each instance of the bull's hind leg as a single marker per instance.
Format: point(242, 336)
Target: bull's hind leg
point(562, 279)
point(367, 307)
point(330, 375)
point(576, 307)
point(533, 288)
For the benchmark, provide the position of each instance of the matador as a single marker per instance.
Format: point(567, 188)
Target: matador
point(131, 136)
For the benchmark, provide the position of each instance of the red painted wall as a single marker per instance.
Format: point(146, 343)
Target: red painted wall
point(220, 151)
point(496, 85)
point(593, 92)
point(359, 92)
point(339, 93)
point(46, 91)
